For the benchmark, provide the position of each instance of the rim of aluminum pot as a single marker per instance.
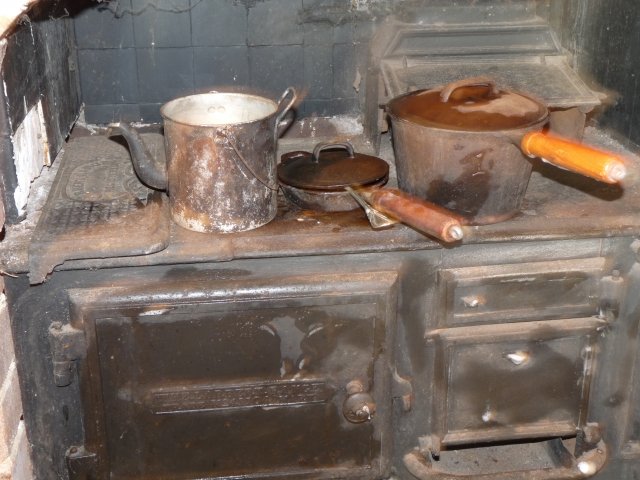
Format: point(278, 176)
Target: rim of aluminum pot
point(196, 102)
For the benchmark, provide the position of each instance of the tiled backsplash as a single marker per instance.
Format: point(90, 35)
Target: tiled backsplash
point(135, 55)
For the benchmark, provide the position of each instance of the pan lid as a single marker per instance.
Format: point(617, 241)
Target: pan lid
point(331, 166)
point(474, 104)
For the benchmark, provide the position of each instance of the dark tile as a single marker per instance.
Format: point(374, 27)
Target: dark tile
point(163, 23)
point(273, 69)
point(344, 71)
point(363, 31)
point(327, 108)
point(318, 33)
point(323, 4)
point(150, 112)
point(164, 73)
point(98, 26)
point(219, 66)
point(315, 108)
point(102, 114)
point(108, 76)
point(218, 23)
point(327, 18)
point(343, 33)
point(633, 133)
point(345, 106)
point(276, 22)
point(318, 71)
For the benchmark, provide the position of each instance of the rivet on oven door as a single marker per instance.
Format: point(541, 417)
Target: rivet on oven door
point(488, 416)
point(587, 468)
point(472, 301)
point(518, 358)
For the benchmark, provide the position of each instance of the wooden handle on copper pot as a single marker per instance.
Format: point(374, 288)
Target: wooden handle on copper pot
point(588, 161)
point(417, 213)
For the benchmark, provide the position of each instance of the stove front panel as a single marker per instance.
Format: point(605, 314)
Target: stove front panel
point(230, 379)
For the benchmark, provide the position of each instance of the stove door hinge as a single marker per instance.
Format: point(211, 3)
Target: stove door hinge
point(67, 345)
point(403, 390)
point(82, 464)
point(612, 289)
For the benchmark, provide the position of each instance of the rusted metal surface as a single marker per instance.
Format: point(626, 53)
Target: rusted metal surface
point(220, 168)
point(293, 388)
point(478, 175)
point(269, 354)
point(96, 209)
point(557, 205)
point(563, 465)
point(490, 375)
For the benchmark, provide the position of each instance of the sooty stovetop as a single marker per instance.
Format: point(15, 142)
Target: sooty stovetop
point(98, 212)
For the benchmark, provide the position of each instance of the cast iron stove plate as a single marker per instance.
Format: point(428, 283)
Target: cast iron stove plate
point(97, 208)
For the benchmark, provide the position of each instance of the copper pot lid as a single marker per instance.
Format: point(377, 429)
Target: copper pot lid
point(474, 104)
point(331, 167)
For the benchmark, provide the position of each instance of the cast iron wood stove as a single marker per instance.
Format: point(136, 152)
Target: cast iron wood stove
point(314, 347)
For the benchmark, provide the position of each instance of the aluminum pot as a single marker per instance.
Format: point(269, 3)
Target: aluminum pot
point(220, 166)
point(466, 147)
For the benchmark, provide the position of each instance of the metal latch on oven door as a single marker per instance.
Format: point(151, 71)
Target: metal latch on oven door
point(67, 345)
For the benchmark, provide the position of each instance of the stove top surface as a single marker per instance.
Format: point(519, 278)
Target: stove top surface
point(98, 215)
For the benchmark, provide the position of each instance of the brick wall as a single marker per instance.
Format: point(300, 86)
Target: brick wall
point(14, 447)
point(15, 463)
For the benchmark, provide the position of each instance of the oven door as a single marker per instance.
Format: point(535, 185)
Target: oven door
point(236, 379)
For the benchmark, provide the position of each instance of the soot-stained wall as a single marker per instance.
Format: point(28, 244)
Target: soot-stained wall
point(604, 36)
point(135, 55)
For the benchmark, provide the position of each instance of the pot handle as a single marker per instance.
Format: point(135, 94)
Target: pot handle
point(284, 106)
point(447, 91)
point(315, 157)
point(417, 213)
point(588, 161)
point(242, 164)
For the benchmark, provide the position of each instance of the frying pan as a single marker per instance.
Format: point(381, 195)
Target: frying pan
point(321, 180)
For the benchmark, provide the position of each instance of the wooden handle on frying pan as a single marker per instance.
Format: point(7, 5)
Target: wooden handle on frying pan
point(588, 161)
point(417, 213)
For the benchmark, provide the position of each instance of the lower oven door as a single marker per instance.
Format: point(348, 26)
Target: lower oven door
point(256, 379)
